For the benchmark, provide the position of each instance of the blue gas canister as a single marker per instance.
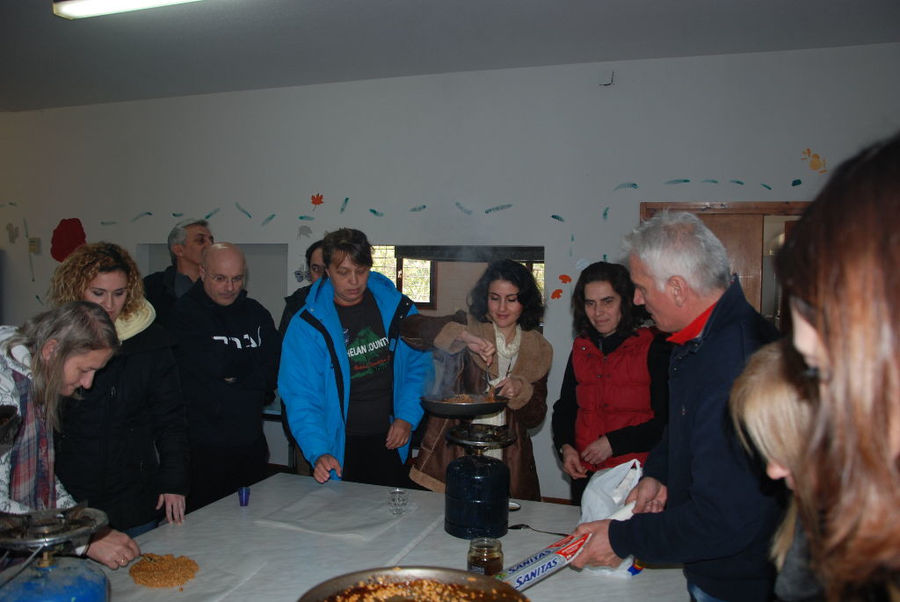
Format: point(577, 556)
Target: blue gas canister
point(63, 580)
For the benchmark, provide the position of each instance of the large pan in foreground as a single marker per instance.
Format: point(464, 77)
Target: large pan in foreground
point(470, 586)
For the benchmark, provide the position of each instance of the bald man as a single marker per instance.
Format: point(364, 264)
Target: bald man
point(228, 359)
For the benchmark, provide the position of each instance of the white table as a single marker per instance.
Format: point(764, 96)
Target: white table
point(244, 556)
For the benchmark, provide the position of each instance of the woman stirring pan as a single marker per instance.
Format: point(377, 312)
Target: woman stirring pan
point(123, 444)
point(502, 341)
point(56, 353)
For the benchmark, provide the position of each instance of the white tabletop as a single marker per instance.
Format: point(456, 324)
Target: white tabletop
point(296, 533)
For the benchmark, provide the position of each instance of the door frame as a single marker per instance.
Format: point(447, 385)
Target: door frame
point(764, 208)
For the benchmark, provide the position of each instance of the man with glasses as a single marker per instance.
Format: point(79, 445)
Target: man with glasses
point(315, 269)
point(228, 360)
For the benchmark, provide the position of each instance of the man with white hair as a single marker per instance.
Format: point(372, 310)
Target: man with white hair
point(702, 501)
point(186, 242)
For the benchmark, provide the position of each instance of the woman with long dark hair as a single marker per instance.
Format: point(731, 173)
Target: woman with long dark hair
point(612, 406)
point(500, 339)
point(839, 270)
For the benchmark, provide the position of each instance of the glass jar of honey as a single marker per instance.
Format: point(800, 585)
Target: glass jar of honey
point(485, 556)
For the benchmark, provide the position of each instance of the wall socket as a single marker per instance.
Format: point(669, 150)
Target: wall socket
point(34, 245)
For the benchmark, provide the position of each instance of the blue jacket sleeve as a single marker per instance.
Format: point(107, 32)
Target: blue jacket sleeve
point(304, 383)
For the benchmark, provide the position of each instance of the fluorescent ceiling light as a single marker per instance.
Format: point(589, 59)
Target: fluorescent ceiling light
point(79, 9)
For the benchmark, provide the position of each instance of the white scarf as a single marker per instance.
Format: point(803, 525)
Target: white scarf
point(507, 353)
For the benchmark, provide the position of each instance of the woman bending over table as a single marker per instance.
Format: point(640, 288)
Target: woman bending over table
point(54, 354)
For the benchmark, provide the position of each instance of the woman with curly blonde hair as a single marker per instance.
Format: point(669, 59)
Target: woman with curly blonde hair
point(104, 261)
point(122, 445)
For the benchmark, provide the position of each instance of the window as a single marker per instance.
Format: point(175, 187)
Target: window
point(537, 269)
point(415, 278)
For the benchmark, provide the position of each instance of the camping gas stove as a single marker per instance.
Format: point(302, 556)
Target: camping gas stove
point(44, 576)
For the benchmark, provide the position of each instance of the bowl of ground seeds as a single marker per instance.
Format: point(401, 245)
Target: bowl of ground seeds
point(155, 570)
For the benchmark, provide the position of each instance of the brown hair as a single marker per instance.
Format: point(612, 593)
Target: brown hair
point(772, 412)
point(78, 327)
point(73, 275)
point(839, 266)
point(346, 242)
point(619, 279)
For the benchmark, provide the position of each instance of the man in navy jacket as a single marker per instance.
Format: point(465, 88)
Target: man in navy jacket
point(702, 502)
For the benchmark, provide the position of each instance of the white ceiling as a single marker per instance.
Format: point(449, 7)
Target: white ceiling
point(227, 45)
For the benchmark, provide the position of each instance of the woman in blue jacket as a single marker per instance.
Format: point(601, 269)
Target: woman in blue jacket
point(347, 425)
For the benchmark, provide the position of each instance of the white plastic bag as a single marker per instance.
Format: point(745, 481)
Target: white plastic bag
point(604, 498)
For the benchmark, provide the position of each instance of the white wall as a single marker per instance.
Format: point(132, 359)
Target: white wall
point(547, 141)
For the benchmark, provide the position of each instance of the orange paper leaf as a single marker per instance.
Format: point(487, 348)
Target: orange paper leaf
point(316, 200)
point(556, 294)
point(565, 278)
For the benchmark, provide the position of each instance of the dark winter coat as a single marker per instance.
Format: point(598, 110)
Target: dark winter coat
point(719, 517)
point(228, 360)
point(125, 441)
point(159, 290)
point(292, 304)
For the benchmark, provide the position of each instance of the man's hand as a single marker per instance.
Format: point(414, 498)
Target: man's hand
point(598, 451)
point(649, 496)
point(174, 507)
point(324, 465)
point(571, 463)
point(113, 548)
point(597, 551)
point(398, 434)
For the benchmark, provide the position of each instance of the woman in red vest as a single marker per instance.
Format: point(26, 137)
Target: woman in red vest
point(613, 404)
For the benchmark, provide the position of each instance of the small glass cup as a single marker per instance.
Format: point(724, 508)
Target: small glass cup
point(398, 500)
point(244, 496)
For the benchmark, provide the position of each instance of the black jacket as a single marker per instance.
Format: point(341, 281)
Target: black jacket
point(721, 510)
point(228, 359)
point(159, 290)
point(125, 442)
point(292, 304)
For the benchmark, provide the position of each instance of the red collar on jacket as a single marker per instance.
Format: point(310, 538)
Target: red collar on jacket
point(692, 330)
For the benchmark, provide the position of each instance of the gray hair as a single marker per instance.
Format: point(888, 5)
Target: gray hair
point(77, 327)
point(680, 244)
point(178, 234)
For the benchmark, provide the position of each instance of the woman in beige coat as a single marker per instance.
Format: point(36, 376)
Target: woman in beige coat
point(500, 339)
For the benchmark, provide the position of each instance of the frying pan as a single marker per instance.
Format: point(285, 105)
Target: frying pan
point(471, 582)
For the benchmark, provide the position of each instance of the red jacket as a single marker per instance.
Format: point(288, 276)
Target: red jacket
point(613, 391)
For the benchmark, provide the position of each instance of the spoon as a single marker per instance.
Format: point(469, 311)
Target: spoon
point(524, 526)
